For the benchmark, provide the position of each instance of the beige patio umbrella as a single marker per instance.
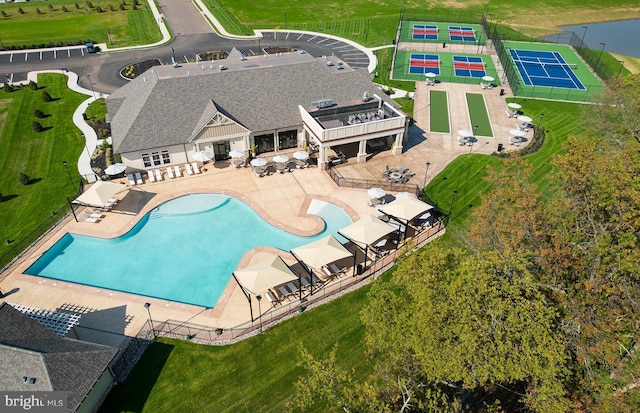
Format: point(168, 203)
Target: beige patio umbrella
point(367, 230)
point(262, 276)
point(99, 194)
point(323, 251)
point(405, 207)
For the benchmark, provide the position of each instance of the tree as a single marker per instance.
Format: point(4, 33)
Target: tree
point(33, 85)
point(4, 13)
point(7, 87)
point(39, 114)
point(46, 97)
point(23, 179)
point(20, 11)
point(36, 126)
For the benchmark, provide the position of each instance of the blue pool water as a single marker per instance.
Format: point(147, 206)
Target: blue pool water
point(184, 250)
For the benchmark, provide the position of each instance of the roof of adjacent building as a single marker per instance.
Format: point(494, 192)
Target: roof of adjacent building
point(168, 105)
point(56, 364)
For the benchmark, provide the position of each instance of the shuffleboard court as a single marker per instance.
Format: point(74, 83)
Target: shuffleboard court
point(478, 115)
point(439, 112)
point(424, 63)
point(545, 68)
point(469, 66)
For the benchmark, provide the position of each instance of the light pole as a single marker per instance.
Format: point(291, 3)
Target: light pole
point(583, 35)
point(599, 56)
point(91, 85)
point(475, 133)
point(425, 175)
point(64, 163)
point(259, 298)
point(621, 66)
point(540, 121)
point(453, 200)
point(285, 19)
point(147, 305)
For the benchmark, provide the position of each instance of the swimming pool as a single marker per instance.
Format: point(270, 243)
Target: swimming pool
point(184, 250)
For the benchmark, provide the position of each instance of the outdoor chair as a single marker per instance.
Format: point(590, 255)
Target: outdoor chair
point(292, 287)
point(283, 292)
point(139, 180)
point(176, 169)
point(170, 173)
point(194, 165)
point(187, 168)
point(333, 267)
point(150, 176)
point(271, 298)
point(158, 175)
point(132, 181)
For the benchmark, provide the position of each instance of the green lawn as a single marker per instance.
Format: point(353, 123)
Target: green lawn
point(439, 111)
point(38, 155)
point(56, 27)
point(478, 115)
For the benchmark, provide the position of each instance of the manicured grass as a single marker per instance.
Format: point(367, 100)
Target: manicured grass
point(52, 27)
point(255, 375)
point(38, 155)
point(478, 114)
point(439, 111)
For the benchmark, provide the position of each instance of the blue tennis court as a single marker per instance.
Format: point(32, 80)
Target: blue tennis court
point(468, 66)
point(420, 64)
point(462, 34)
point(424, 32)
point(540, 68)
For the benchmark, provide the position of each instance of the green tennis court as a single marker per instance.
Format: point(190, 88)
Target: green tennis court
point(446, 66)
point(439, 111)
point(589, 80)
point(434, 32)
point(478, 115)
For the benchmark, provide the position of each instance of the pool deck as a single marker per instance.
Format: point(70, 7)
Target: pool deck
point(281, 199)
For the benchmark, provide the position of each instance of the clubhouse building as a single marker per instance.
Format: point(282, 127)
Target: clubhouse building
point(260, 104)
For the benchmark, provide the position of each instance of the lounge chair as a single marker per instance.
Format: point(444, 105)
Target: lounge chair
point(187, 168)
point(304, 282)
point(170, 173)
point(151, 177)
point(90, 219)
point(93, 215)
point(280, 167)
point(284, 293)
point(158, 175)
point(132, 181)
point(271, 298)
point(113, 201)
point(333, 267)
point(292, 287)
point(329, 275)
point(139, 180)
point(194, 165)
point(176, 169)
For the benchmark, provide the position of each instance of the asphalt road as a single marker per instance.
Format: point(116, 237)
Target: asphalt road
point(104, 69)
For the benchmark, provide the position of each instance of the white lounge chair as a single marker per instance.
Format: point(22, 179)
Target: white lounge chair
point(151, 177)
point(93, 215)
point(158, 175)
point(176, 169)
point(170, 173)
point(194, 165)
point(90, 219)
point(271, 298)
point(187, 168)
point(139, 180)
point(132, 181)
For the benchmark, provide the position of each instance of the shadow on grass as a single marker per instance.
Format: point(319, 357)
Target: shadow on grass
point(133, 393)
point(6, 198)
point(34, 181)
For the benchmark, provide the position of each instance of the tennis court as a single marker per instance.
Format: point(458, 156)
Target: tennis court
point(462, 34)
point(424, 63)
point(468, 66)
point(424, 32)
point(545, 68)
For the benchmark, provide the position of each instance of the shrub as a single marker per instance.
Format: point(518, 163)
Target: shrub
point(38, 11)
point(89, 5)
point(33, 85)
point(110, 7)
point(50, 7)
point(121, 6)
point(76, 5)
point(39, 114)
point(24, 179)
point(64, 9)
point(46, 97)
point(36, 126)
point(4, 13)
point(20, 10)
point(99, 9)
point(7, 87)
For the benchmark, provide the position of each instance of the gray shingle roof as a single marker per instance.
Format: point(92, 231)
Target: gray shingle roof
point(59, 364)
point(164, 107)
